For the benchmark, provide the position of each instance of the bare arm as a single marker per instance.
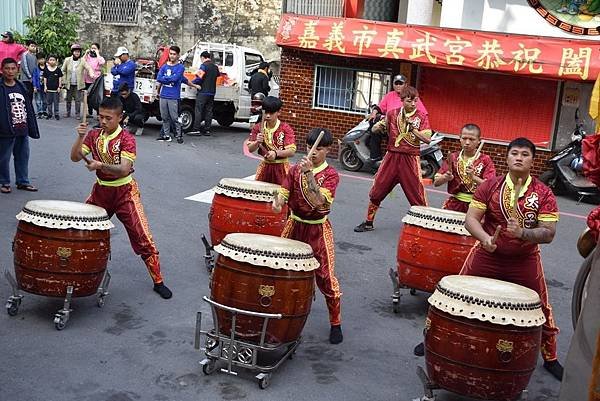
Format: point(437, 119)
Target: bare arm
point(314, 195)
point(441, 179)
point(473, 226)
point(76, 152)
point(422, 135)
point(543, 234)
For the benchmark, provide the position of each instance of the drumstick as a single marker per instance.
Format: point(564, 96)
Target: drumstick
point(262, 131)
point(496, 234)
point(316, 144)
point(477, 153)
point(84, 121)
point(449, 162)
point(518, 187)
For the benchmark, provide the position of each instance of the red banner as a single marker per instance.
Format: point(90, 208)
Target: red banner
point(487, 51)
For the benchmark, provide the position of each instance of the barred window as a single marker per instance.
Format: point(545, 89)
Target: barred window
point(349, 90)
point(120, 12)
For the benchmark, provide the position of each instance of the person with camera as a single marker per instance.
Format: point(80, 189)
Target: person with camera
point(92, 69)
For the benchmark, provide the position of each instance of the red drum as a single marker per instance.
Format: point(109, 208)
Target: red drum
point(244, 206)
point(60, 244)
point(433, 243)
point(482, 337)
point(266, 274)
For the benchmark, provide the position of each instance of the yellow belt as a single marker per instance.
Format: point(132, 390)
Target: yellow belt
point(319, 221)
point(276, 161)
point(463, 197)
point(115, 183)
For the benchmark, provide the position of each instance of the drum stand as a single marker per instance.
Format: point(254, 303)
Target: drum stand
point(429, 386)
point(220, 347)
point(397, 286)
point(62, 316)
point(209, 256)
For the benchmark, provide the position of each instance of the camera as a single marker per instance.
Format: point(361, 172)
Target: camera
point(93, 53)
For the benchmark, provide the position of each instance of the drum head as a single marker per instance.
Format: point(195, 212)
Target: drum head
point(64, 214)
point(268, 251)
point(489, 300)
point(437, 219)
point(247, 189)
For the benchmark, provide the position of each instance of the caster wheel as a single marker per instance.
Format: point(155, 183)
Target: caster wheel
point(100, 302)
point(60, 324)
point(292, 355)
point(396, 307)
point(12, 309)
point(413, 291)
point(209, 368)
point(264, 382)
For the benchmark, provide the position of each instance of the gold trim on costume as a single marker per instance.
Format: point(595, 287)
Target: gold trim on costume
point(478, 205)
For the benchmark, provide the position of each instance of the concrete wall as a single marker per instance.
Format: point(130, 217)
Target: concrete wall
point(511, 16)
point(251, 23)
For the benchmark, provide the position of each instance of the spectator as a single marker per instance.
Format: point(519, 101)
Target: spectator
point(72, 70)
point(92, 63)
point(259, 81)
point(28, 63)
point(207, 78)
point(123, 71)
point(170, 76)
point(38, 87)
point(132, 109)
point(52, 84)
point(16, 126)
point(8, 47)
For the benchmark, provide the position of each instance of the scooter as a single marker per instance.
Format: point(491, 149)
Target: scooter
point(355, 154)
point(564, 176)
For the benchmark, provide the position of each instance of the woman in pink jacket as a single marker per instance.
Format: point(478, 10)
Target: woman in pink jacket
point(92, 68)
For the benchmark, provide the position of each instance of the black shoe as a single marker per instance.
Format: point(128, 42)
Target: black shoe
point(206, 133)
point(49, 117)
point(364, 226)
point(163, 291)
point(179, 139)
point(375, 159)
point(164, 138)
point(335, 335)
point(555, 369)
point(194, 133)
point(57, 117)
point(419, 350)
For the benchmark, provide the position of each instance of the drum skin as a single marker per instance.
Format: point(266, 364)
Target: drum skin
point(48, 260)
point(262, 289)
point(426, 255)
point(480, 359)
point(238, 215)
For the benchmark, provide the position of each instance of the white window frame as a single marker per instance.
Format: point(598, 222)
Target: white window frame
point(138, 13)
point(355, 72)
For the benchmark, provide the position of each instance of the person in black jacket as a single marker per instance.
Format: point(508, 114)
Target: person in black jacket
point(259, 81)
point(206, 77)
point(132, 108)
point(17, 124)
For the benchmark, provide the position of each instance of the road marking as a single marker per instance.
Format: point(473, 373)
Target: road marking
point(207, 196)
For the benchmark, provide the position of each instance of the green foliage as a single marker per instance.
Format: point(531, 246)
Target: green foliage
point(54, 29)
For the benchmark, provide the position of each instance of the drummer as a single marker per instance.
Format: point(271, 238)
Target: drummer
point(309, 190)
point(113, 152)
point(515, 255)
point(468, 169)
point(275, 142)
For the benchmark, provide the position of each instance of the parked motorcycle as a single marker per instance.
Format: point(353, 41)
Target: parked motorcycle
point(355, 154)
point(564, 175)
point(586, 246)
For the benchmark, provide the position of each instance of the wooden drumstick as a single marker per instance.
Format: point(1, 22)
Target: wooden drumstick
point(518, 187)
point(84, 121)
point(262, 131)
point(478, 151)
point(316, 144)
point(449, 162)
point(496, 234)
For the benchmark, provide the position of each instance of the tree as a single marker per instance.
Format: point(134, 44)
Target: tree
point(54, 29)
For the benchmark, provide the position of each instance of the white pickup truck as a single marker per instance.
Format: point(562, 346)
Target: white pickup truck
point(232, 101)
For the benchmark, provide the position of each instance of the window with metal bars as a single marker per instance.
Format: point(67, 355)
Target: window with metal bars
point(120, 12)
point(348, 90)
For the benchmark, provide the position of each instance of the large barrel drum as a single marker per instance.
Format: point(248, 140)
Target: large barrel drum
point(244, 206)
point(482, 337)
point(433, 243)
point(60, 244)
point(266, 274)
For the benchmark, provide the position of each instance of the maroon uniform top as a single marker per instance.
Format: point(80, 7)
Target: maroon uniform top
point(109, 149)
point(397, 124)
point(462, 183)
point(279, 138)
point(295, 187)
point(536, 204)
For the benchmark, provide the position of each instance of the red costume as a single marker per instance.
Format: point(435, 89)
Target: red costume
point(515, 260)
point(121, 196)
point(462, 187)
point(310, 225)
point(401, 164)
point(279, 138)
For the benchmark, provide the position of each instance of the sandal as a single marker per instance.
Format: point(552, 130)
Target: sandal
point(27, 187)
point(5, 189)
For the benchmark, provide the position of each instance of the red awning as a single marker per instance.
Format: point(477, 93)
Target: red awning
point(539, 56)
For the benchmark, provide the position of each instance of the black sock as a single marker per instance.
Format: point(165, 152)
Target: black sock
point(163, 290)
point(335, 334)
point(555, 369)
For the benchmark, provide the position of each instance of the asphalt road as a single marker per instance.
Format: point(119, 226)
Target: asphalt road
point(140, 347)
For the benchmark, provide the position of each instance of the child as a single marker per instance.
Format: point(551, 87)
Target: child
point(112, 151)
point(309, 190)
point(52, 84)
point(275, 142)
point(39, 96)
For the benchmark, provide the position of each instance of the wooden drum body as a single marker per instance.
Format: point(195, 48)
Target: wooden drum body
point(244, 206)
point(433, 243)
point(60, 244)
point(482, 337)
point(265, 274)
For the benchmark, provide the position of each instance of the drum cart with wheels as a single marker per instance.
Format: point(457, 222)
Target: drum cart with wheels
point(239, 353)
point(209, 255)
point(397, 286)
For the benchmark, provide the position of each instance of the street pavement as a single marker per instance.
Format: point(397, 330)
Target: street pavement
point(140, 347)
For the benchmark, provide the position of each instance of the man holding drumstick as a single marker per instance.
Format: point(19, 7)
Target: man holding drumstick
point(518, 214)
point(465, 170)
point(309, 190)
